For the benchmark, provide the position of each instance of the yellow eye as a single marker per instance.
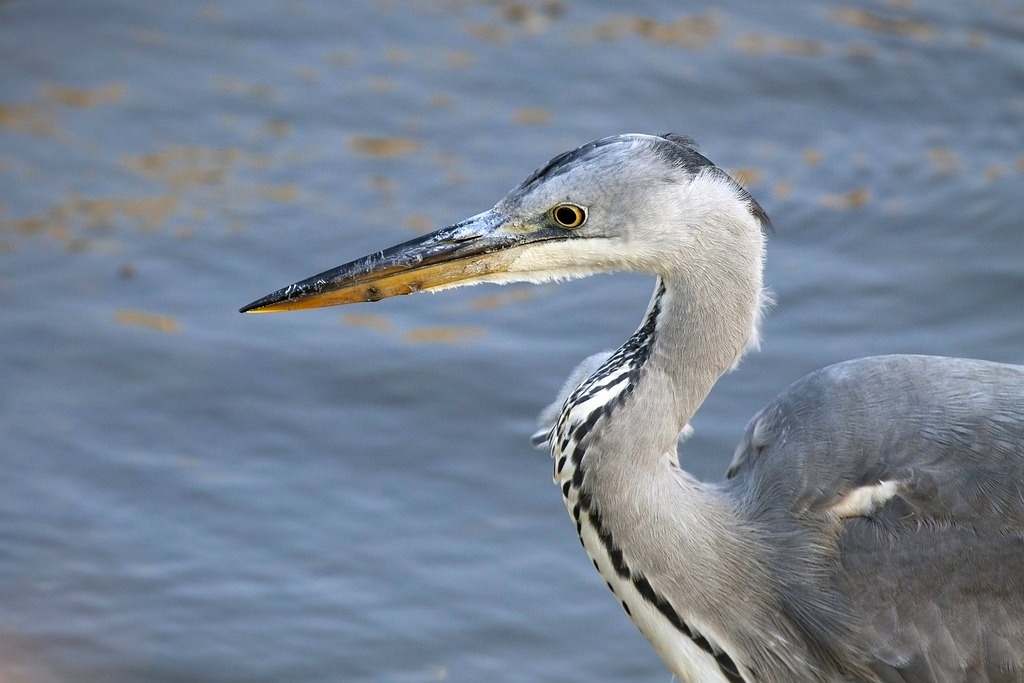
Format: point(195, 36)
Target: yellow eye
point(569, 215)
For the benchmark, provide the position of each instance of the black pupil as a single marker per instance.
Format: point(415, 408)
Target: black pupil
point(567, 215)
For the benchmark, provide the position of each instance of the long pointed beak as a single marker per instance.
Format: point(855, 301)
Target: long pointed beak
point(467, 251)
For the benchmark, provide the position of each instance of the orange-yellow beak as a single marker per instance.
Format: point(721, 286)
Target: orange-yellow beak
point(466, 252)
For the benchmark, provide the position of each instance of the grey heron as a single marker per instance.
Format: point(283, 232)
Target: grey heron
point(871, 524)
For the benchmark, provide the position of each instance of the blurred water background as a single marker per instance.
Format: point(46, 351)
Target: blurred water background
point(189, 494)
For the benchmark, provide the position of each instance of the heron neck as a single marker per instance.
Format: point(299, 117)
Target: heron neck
point(629, 414)
point(695, 337)
point(658, 524)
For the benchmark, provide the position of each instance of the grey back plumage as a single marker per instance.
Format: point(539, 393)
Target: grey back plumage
point(932, 570)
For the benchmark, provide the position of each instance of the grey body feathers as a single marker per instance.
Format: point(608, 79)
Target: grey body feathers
point(932, 576)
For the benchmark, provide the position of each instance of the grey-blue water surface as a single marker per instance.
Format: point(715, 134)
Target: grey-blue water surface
point(189, 494)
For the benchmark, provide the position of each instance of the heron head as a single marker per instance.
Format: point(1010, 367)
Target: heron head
point(638, 203)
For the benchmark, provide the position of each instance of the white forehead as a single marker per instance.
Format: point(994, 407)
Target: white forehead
point(622, 170)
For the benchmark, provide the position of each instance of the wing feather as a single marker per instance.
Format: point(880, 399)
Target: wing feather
point(909, 471)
